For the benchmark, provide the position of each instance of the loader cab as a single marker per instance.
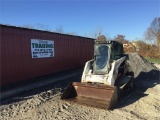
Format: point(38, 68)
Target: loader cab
point(102, 52)
point(105, 52)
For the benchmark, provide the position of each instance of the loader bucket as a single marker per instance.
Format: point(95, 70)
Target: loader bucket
point(96, 95)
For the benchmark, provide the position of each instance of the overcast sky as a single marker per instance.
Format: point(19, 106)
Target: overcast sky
point(128, 17)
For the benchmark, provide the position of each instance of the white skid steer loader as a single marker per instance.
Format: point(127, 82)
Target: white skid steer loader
point(105, 80)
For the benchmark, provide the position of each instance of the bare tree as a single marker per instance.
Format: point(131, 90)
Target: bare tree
point(42, 27)
point(96, 33)
point(38, 26)
point(59, 29)
point(28, 26)
point(71, 33)
point(153, 32)
point(121, 39)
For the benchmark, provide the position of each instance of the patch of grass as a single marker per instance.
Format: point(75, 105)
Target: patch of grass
point(155, 60)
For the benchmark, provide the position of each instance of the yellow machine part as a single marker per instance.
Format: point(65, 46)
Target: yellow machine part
point(96, 95)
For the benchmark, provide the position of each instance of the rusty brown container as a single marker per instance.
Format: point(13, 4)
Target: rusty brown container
point(17, 63)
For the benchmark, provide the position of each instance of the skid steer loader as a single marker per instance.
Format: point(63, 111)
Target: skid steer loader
point(106, 79)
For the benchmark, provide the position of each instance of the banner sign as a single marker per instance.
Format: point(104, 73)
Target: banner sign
point(42, 48)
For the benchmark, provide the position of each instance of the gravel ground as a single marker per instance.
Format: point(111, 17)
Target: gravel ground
point(45, 103)
point(157, 65)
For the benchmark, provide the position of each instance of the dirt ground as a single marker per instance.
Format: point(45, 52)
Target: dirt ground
point(142, 104)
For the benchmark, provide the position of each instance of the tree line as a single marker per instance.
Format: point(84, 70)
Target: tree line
point(148, 47)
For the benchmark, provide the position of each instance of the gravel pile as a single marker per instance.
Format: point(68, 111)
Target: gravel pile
point(140, 64)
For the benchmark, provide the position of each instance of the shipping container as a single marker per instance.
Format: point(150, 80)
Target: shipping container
point(19, 51)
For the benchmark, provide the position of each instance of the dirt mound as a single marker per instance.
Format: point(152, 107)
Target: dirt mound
point(139, 64)
point(146, 74)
